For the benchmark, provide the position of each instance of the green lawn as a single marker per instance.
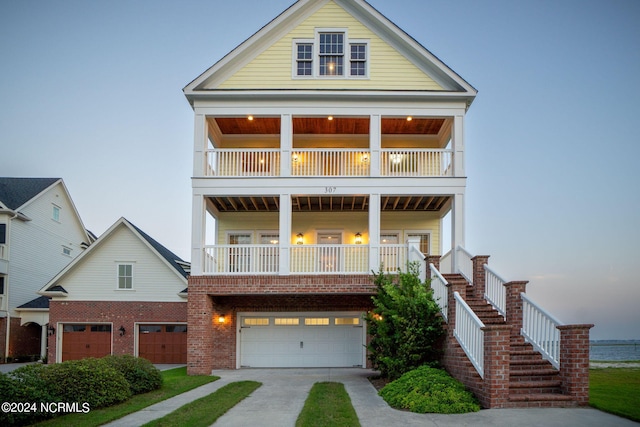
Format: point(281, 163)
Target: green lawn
point(616, 390)
point(175, 381)
point(206, 410)
point(328, 404)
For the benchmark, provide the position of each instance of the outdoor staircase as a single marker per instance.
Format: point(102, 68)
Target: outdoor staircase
point(533, 381)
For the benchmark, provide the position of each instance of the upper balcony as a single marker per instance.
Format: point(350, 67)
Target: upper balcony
point(331, 147)
point(4, 263)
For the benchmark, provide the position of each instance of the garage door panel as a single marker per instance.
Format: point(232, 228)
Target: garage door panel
point(324, 344)
point(163, 343)
point(85, 340)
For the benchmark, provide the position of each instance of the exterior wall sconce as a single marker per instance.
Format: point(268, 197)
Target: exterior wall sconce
point(294, 157)
point(221, 319)
point(122, 330)
point(358, 238)
point(299, 238)
point(365, 158)
point(51, 330)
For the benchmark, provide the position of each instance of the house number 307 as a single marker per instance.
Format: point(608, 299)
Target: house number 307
point(329, 190)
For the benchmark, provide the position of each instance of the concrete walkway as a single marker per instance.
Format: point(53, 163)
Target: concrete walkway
point(281, 397)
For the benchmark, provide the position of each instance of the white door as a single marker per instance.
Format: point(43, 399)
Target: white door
point(309, 341)
point(331, 254)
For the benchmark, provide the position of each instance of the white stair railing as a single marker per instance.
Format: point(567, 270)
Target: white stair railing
point(440, 291)
point(468, 331)
point(494, 290)
point(540, 329)
point(445, 263)
point(465, 264)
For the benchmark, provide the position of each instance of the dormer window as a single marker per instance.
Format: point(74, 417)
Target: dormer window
point(330, 55)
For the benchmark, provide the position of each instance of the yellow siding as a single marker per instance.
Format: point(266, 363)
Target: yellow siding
point(253, 222)
point(413, 221)
point(349, 223)
point(388, 70)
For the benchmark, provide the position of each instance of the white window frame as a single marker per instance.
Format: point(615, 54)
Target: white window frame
point(66, 250)
point(315, 61)
point(124, 263)
point(55, 212)
point(427, 232)
point(294, 62)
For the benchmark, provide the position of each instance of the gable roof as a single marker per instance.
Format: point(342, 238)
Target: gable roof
point(208, 82)
point(16, 192)
point(37, 303)
point(176, 264)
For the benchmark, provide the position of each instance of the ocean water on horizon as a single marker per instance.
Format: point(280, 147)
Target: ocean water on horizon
point(614, 350)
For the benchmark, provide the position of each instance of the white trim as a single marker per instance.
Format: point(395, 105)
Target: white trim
point(294, 58)
point(125, 263)
point(428, 232)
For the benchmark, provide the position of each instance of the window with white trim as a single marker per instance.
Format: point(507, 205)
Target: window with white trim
point(55, 213)
point(125, 276)
point(66, 251)
point(331, 55)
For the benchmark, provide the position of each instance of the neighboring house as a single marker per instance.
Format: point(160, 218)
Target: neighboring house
point(40, 233)
point(126, 294)
point(327, 145)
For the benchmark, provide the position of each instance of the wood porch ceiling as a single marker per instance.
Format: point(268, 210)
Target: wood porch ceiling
point(323, 126)
point(328, 203)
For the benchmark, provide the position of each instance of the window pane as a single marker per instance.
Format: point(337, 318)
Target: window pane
point(147, 329)
point(347, 321)
point(316, 321)
point(100, 328)
point(3, 233)
point(256, 322)
point(331, 65)
point(291, 321)
point(176, 328)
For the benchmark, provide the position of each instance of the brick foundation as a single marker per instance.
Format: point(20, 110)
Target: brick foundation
point(212, 345)
point(119, 313)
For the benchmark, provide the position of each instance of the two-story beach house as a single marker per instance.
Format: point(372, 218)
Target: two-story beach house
point(330, 145)
point(40, 233)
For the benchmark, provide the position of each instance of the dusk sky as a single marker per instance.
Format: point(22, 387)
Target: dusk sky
point(91, 91)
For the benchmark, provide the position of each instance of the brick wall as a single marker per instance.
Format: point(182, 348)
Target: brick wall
point(212, 345)
point(119, 313)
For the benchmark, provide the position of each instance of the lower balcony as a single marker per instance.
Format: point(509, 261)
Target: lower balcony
point(307, 259)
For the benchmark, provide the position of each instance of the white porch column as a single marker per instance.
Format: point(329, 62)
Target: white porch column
point(375, 145)
point(198, 225)
point(199, 145)
point(374, 232)
point(286, 144)
point(285, 233)
point(457, 229)
point(457, 145)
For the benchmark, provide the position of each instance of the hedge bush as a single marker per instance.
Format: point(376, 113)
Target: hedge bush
point(141, 375)
point(429, 390)
point(88, 380)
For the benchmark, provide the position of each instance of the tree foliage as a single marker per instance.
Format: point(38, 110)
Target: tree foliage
point(405, 324)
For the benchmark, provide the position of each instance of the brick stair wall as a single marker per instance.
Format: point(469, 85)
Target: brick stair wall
point(516, 376)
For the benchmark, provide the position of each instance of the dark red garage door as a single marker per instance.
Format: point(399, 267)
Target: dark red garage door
point(80, 341)
point(163, 343)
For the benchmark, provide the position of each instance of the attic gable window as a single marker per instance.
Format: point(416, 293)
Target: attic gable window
point(331, 54)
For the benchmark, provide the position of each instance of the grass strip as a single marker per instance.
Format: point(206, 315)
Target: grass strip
point(328, 404)
point(206, 410)
point(175, 381)
point(616, 390)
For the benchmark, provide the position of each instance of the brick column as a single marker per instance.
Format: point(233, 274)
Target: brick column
point(200, 332)
point(435, 260)
point(574, 361)
point(497, 343)
point(478, 275)
point(513, 305)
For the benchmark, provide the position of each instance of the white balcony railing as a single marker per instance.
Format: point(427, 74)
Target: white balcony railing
point(326, 162)
point(440, 291)
point(540, 329)
point(494, 290)
point(416, 162)
point(241, 259)
point(468, 331)
point(242, 162)
point(330, 259)
point(303, 259)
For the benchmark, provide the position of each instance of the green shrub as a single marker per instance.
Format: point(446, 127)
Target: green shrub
point(25, 385)
point(405, 325)
point(141, 375)
point(87, 380)
point(429, 390)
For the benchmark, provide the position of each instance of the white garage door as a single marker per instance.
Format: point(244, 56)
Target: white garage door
point(280, 340)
